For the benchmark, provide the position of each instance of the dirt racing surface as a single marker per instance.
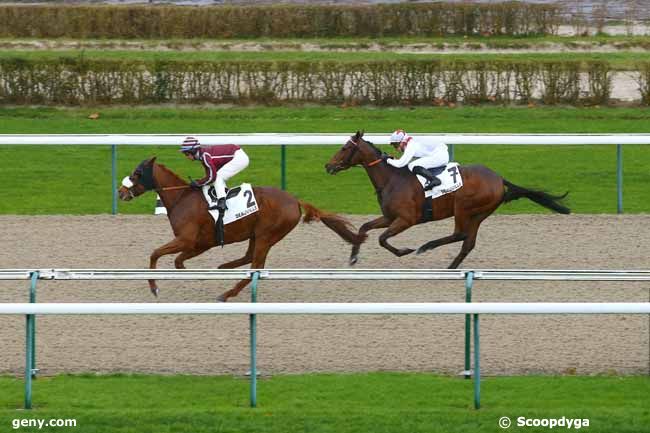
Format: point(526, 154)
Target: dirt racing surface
point(295, 344)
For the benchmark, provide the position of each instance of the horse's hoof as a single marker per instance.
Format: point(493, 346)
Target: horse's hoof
point(155, 291)
point(420, 251)
point(221, 298)
point(354, 260)
point(405, 251)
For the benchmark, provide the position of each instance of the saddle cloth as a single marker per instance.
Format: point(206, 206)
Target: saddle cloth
point(240, 201)
point(450, 180)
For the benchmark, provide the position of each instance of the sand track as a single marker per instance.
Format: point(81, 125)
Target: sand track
point(213, 345)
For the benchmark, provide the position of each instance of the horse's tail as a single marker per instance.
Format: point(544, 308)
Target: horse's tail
point(547, 200)
point(337, 223)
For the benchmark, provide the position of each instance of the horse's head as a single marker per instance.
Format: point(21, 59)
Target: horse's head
point(140, 181)
point(354, 152)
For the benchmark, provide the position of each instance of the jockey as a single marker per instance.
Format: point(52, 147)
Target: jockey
point(221, 162)
point(428, 156)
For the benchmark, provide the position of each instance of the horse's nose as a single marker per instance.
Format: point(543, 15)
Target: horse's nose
point(329, 168)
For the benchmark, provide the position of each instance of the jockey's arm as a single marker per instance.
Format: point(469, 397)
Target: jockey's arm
point(210, 172)
point(407, 156)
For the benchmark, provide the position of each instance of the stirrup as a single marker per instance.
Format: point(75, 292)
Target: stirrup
point(432, 184)
point(221, 204)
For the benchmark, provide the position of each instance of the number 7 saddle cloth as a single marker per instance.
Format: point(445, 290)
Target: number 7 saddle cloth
point(450, 180)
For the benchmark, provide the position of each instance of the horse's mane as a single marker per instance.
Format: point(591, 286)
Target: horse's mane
point(170, 172)
point(373, 147)
point(404, 171)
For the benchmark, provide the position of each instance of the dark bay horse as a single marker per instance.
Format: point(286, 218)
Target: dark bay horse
point(402, 200)
point(194, 228)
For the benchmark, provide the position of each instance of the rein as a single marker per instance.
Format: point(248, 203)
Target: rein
point(375, 162)
point(172, 188)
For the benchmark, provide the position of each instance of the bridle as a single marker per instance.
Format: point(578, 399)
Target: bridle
point(145, 174)
point(355, 149)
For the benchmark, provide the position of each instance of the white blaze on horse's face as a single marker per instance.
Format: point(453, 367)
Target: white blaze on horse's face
point(127, 183)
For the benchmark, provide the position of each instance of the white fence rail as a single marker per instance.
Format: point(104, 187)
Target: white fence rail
point(284, 139)
point(328, 274)
point(331, 308)
point(298, 139)
point(30, 310)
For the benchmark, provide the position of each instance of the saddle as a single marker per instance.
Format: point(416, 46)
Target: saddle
point(230, 193)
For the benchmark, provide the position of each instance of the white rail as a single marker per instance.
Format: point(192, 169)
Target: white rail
point(331, 308)
point(317, 139)
point(328, 274)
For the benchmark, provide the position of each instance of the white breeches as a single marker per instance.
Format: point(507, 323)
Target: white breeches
point(237, 164)
point(439, 157)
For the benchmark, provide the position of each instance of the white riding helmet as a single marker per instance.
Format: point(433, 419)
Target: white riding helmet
point(399, 136)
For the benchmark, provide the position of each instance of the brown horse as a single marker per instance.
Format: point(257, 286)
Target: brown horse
point(403, 204)
point(194, 228)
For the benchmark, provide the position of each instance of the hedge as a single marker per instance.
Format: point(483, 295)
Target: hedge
point(165, 21)
point(72, 81)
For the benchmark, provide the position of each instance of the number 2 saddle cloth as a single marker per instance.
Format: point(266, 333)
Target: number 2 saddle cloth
point(240, 201)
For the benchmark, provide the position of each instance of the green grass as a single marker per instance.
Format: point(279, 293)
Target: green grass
point(375, 402)
point(76, 180)
point(619, 60)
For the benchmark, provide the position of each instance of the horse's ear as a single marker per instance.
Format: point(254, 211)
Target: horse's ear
point(152, 160)
point(358, 135)
point(362, 132)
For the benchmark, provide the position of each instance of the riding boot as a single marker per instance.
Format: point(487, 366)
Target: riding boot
point(432, 181)
point(221, 206)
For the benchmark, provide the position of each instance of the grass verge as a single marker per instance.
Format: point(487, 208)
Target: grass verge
point(377, 402)
point(76, 180)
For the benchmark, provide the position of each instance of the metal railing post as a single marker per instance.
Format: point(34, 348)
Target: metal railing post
point(32, 299)
point(114, 178)
point(469, 281)
point(253, 338)
point(283, 167)
point(477, 365)
point(619, 178)
point(451, 151)
point(30, 331)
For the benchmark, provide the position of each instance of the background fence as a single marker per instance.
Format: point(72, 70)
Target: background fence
point(468, 276)
point(286, 139)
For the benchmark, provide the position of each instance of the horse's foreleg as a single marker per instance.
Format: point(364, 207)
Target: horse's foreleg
point(248, 257)
point(380, 222)
point(396, 227)
point(169, 248)
point(260, 251)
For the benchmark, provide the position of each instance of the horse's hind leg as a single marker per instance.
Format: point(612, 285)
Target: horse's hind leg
point(172, 247)
point(456, 237)
point(179, 261)
point(378, 223)
point(471, 232)
point(261, 248)
point(396, 227)
point(259, 259)
point(248, 257)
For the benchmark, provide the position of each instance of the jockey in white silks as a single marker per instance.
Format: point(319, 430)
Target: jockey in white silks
point(427, 156)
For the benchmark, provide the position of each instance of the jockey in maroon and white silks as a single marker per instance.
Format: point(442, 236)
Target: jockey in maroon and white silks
point(419, 156)
point(220, 161)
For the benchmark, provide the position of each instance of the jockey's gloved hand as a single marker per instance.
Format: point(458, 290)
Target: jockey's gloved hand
point(385, 157)
point(194, 185)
